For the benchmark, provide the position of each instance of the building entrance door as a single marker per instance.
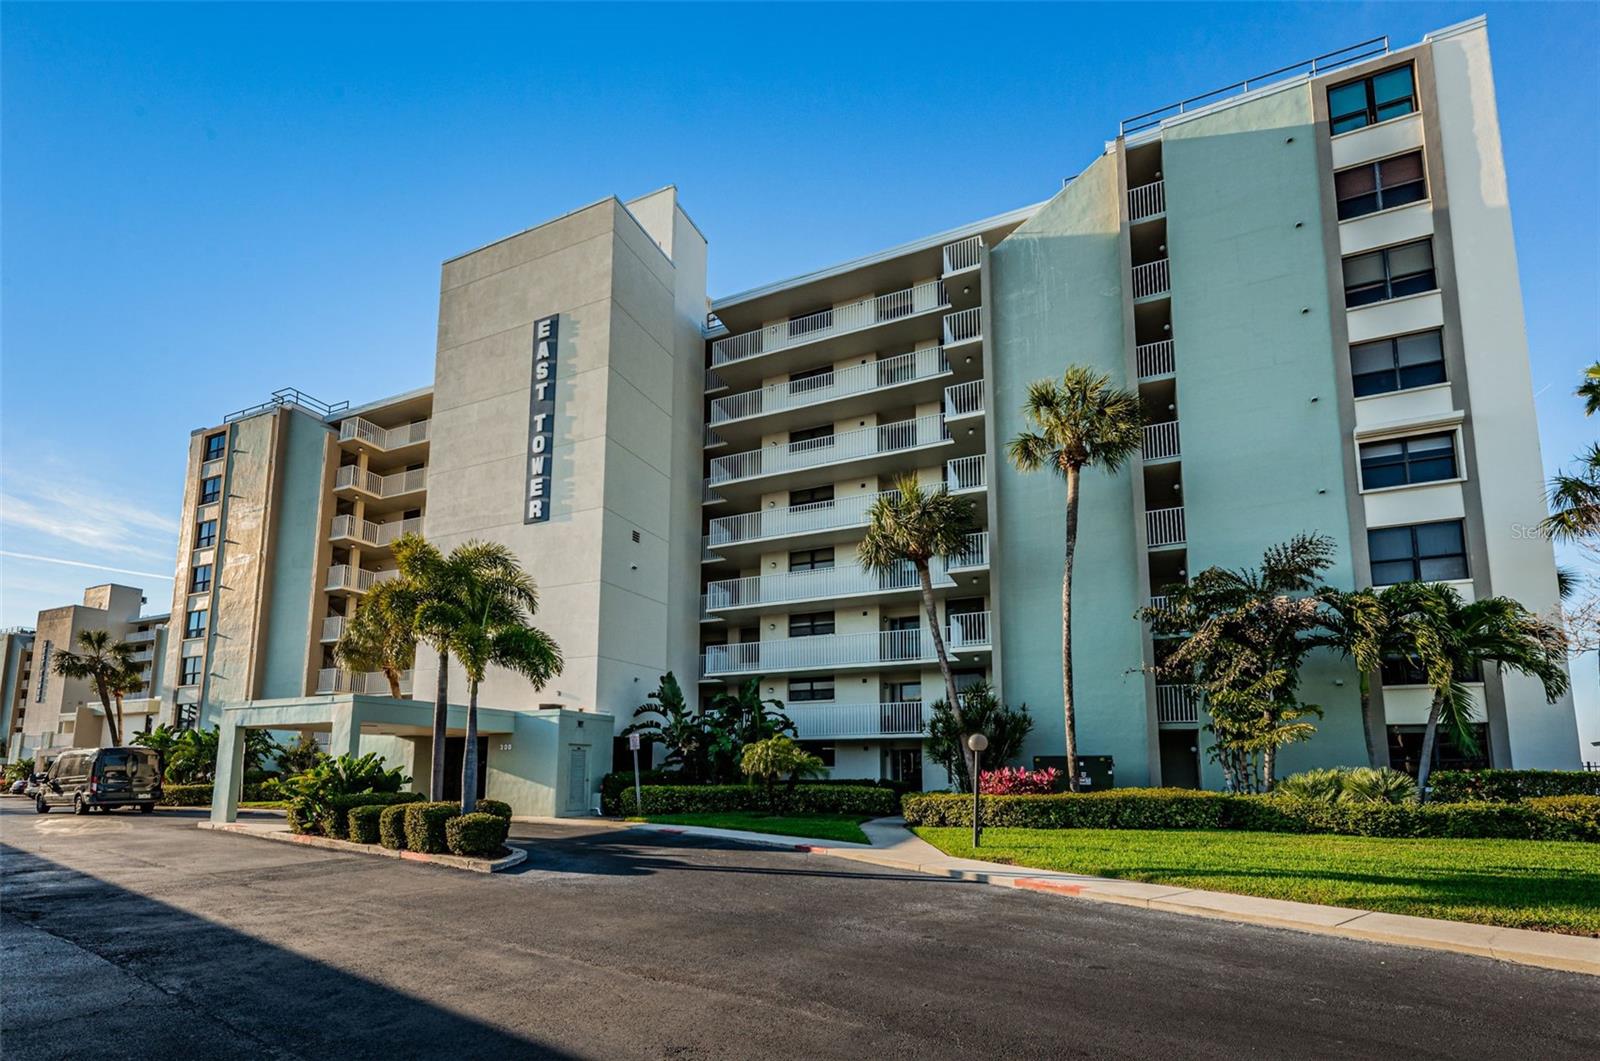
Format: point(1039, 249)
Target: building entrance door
point(1180, 758)
point(577, 778)
point(905, 766)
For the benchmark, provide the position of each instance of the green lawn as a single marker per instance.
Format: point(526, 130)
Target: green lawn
point(813, 826)
point(1519, 883)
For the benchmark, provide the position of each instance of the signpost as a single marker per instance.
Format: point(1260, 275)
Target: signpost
point(638, 798)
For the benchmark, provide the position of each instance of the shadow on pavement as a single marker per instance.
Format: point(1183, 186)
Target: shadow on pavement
point(96, 970)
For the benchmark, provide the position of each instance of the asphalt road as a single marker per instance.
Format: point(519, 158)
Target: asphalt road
point(128, 936)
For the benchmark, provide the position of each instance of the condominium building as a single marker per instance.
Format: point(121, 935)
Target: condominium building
point(1310, 282)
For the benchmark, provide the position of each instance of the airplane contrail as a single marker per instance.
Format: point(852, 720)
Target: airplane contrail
point(81, 563)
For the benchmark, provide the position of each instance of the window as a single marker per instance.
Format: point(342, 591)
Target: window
point(1371, 100)
point(210, 489)
point(816, 495)
point(1382, 185)
point(810, 624)
point(205, 534)
point(215, 444)
point(194, 624)
point(1397, 364)
point(809, 690)
point(1404, 670)
point(1407, 461)
point(1425, 552)
point(1390, 273)
point(806, 382)
point(811, 438)
point(820, 750)
point(902, 692)
point(200, 579)
point(1405, 749)
point(811, 560)
point(807, 323)
point(191, 671)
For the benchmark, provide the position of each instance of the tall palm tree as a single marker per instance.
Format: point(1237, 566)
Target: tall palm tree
point(126, 681)
point(381, 636)
point(1469, 636)
point(1080, 422)
point(913, 525)
point(487, 617)
point(1575, 500)
point(99, 659)
point(1589, 389)
point(433, 578)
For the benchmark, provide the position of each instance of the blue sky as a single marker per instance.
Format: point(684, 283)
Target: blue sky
point(204, 203)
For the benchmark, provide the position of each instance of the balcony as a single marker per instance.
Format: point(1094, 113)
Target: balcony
point(963, 327)
point(1164, 526)
point(355, 429)
point(962, 255)
point(885, 648)
point(332, 628)
point(794, 587)
point(372, 683)
point(814, 721)
point(846, 447)
point(350, 579)
point(1160, 441)
point(819, 518)
point(859, 381)
point(1155, 360)
point(1177, 704)
point(842, 320)
point(1151, 279)
point(963, 400)
point(139, 637)
point(377, 535)
point(383, 487)
point(1147, 201)
point(144, 656)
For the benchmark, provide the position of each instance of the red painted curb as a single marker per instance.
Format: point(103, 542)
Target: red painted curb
point(1035, 885)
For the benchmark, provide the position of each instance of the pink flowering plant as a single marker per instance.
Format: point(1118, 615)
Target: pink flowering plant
point(1016, 781)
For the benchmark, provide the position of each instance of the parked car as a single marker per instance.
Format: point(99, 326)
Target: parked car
point(19, 786)
point(84, 778)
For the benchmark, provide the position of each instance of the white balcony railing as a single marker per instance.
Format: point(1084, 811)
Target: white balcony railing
point(964, 399)
point(355, 579)
point(144, 656)
point(967, 630)
point(1161, 440)
point(963, 327)
point(1155, 359)
point(847, 581)
point(332, 628)
point(140, 636)
point(1177, 703)
point(1151, 278)
point(796, 519)
point(886, 647)
point(374, 534)
point(814, 721)
point(383, 437)
point(1147, 200)
point(963, 254)
point(370, 683)
point(840, 320)
point(714, 382)
point(964, 474)
point(831, 449)
point(406, 482)
point(841, 383)
point(1164, 526)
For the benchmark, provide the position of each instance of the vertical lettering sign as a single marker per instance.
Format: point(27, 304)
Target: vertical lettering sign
point(541, 420)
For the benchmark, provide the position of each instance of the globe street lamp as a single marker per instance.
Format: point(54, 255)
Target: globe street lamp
point(977, 742)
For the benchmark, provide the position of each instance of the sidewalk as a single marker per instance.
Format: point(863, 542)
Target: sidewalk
point(896, 847)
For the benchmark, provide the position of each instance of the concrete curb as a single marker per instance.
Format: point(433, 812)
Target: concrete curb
point(896, 847)
point(471, 865)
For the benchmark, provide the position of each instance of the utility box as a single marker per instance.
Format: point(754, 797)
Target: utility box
point(1095, 772)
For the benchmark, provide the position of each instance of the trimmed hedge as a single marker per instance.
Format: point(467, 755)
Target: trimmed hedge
point(1508, 786)
point(1581, 812)
point(803, 799)
point(199, 795)
point(392, 826)
point(476, 835)
point(425, 826)
point(612, 786)
point(335, 821)
point(499, 808)
point(1187, 809)
point(364, 822)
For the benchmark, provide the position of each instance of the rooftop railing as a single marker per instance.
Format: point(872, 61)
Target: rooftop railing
point(289, 396)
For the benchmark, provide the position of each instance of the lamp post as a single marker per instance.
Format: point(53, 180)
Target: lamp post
point(977, 742)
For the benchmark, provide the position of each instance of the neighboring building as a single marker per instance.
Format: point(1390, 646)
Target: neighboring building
point(16, 671)
point(1312, 285)
point(52, 712)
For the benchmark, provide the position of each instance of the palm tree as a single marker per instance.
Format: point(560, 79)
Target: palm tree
point(126, 681)
point(1494, 630)
point(913, 525)
point(381, 635)
point(432, 577)
point(1575, 500)
point(1082, 422)
point(668, 718)
point(741, 717)
point(487, 617)
point(1589, 390)
point(99, 660)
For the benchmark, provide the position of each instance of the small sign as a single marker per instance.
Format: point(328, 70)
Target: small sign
point(633, 742)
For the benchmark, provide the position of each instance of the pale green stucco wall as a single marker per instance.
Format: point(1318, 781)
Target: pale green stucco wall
point(291, 575)
point(1057, 298)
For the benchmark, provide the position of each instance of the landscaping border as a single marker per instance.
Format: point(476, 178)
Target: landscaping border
point(473, 865)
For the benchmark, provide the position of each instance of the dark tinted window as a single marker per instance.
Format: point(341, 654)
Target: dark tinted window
point(210, 489)
point(1374, 99)
point(1397, 364)
point(805, 690)
point(214, 445)
point(1405, 461)
point(205, 534)
point(1426, 552)
point(810, 624)
point(811, 560)
point(1382, 185)
point(1393, 272)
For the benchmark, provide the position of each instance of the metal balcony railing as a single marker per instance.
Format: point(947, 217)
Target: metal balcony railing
point(962, 255)
point(847, 581)
point(839, 320)
point(139, 637)
point(885, 647)
point(374, 534)
point(355, 579)
point(406, 482)
point(796, 519)
point(964, 326)
point(823, 721)
point(967, 630)
point(830, 449)
point(963, 399)
point(1155, 359)
point(385, 438)
point(1152, 278)
point(1147, 200)
point(332, 627)
point(840, 383)
point(370, 683)
point(965, 474)
point(1160, 441)
point(1164, 526)
point(1177, 703)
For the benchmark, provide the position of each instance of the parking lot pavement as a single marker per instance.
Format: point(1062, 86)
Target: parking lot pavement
point(142, 936)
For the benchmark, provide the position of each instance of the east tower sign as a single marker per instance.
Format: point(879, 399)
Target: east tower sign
point(541, 420)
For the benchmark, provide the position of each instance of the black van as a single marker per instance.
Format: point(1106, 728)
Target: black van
point(82, 778)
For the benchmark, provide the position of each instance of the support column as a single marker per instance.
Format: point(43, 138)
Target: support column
point(345, 738)
point(229, 781)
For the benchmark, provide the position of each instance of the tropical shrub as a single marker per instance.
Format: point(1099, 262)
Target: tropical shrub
point(476, 835)
point(1456, 786)
point(613, 784)
point(1016, 781)
point(778, 757)
point(499, 808)
point(802, 799)
point(300, 756)
point(333, 813)
point(199, 794)
point(392, 827)
point(1582, 813)
point(981, 712)
point(364, 822)
point(303, 816)
point(1361, 784)
point(425, 824)
point(19, 769)
point(331, 780)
